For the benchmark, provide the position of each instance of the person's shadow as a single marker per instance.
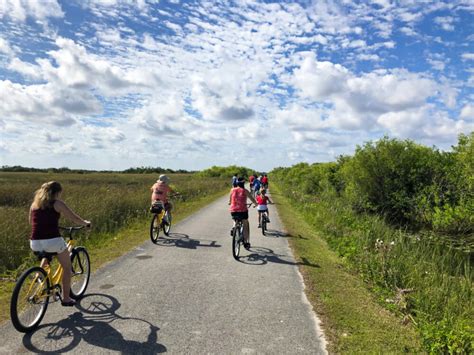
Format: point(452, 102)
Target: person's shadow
point(182, 240)
point(98, 324)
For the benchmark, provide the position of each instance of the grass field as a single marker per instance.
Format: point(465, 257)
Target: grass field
point(117, 205)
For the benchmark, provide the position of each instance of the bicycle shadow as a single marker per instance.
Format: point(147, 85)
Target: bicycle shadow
point(182, 240)
point(92, 324)
point(262, 255)
point(276, 234)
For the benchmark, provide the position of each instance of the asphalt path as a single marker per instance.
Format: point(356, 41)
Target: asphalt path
point(187, 295)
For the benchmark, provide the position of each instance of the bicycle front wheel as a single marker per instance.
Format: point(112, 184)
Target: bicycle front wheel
point(237, 239)
point(167, 223)
point(155, 229)
point(30, 299)
point(81, 272)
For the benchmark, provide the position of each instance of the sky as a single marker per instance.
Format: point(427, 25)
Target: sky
point(114, 84)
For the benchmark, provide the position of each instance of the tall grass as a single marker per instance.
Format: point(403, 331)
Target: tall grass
point(110, 201)
point(424, 279)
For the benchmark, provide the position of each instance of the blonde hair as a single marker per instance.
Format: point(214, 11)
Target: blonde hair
point(46, 195)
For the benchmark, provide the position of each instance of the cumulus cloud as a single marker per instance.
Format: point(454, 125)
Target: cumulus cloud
point(467, 112)
point(5, 47)
point(357, 98)
point(18, 10)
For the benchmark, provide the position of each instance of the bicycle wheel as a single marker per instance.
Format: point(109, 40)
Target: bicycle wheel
point(81, 272)
point(155, 229)
point(237, 239)
point(264, 223)
point(167, 223)
point(29, 299)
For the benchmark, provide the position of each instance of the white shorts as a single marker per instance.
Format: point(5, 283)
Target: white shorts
point(54, 245)
point(262, 208)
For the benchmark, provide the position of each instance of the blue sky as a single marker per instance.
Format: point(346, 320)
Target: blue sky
point(113, 84)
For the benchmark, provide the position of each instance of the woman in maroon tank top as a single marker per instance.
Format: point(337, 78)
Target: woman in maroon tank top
point(44, 219)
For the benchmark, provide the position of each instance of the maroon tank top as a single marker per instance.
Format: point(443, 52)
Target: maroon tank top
point(45, 224)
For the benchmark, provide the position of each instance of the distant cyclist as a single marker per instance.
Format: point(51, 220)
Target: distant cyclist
point(251, 179)
point(238, 207)
point(263, 200)
point(234, 180)
point(265, 181)
point(160, 191)
point(257, 184)
point(44, 219)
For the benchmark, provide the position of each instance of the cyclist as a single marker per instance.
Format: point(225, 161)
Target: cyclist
point(262, 200)
point(257, 184)
point(44, 219)
point(234, 180)
point(251, 179)
point(265, 181)
point(238, 207)
point(160, 191)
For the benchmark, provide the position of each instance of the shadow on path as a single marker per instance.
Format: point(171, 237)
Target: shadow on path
point(97, 323)
point(261, 256)
point(182, 240)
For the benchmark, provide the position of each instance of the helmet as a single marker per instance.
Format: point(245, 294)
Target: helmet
point(164, 179)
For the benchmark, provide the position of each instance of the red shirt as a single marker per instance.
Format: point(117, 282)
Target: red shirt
point(264, 179)
point(251, 178)
point(238, 200)
point(262, 200)
point(45, 224)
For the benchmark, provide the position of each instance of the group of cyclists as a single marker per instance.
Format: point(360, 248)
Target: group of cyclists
point(47, 207)
point(238, 201)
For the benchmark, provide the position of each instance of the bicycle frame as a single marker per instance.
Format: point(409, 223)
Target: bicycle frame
point(53, 277)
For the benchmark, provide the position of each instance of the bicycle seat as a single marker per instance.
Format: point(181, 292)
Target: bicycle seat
point(44, 254)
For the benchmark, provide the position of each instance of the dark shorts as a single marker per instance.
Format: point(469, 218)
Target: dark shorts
point(240, 215)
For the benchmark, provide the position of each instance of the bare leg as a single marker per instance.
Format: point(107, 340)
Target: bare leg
point(65, 261)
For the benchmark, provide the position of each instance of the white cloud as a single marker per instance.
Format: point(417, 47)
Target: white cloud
point(19, 10)
point(467, 56)
point(5, 47)
point(446, 23)
point(467, 112)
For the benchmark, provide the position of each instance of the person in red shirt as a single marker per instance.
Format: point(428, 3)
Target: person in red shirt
point(262, 200)
point(265, 181)
point(45, 212)
point(238, 207)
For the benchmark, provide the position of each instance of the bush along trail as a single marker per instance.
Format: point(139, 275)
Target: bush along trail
point(401, 216)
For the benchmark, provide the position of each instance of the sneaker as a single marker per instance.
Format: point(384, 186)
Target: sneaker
point(247, 246)
point(259, 226)
point(268, 220)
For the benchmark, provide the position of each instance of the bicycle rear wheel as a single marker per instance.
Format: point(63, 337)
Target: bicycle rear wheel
point(155, 228)
point(81, 272)
point(167, 223)
point(29, 299)
point(264, 223)
point(237, 239)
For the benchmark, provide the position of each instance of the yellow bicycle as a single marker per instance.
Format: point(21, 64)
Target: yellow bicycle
point(38, 286)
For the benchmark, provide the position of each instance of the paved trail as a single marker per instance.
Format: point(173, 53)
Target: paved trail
point(187, 295)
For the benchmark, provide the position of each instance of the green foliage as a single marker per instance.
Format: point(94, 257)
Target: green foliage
point(226, 172)
point(386, 178)
point(422, 270)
